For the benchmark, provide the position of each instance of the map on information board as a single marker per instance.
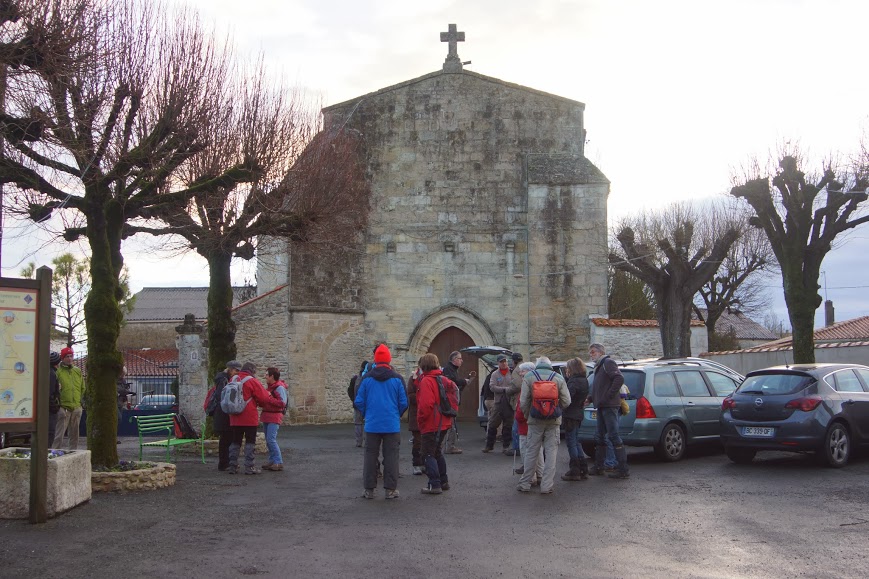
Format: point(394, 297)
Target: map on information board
point(18, 326)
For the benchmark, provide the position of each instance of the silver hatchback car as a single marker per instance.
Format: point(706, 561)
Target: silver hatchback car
point(673, 403)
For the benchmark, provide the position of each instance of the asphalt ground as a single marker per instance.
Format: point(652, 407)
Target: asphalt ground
point(782, 516)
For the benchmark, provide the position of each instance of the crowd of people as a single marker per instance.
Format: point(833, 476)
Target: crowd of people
point(528, 402)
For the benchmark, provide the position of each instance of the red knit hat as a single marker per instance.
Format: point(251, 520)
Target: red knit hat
point(65, 352)
point(382, 355)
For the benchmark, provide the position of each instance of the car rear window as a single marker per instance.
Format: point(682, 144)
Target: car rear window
point(635, 380)
point(775, 383)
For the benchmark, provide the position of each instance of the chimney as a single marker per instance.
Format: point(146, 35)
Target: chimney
point(829, 314)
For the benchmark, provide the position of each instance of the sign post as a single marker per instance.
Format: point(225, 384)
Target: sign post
point(24, 341)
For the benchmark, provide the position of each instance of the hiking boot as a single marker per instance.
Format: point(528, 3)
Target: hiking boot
point(453, 451)
point(522, 489)
point(251, 470)
point(391, 494)
point(232, 469)
point(574, 472)
point(445, 486)
point(267, 465)
point(430, 490)
point(619, 474)
point(488, 449)
point(368, 494)
point(274, 467)
point(510, 452)
point(596, 471)
point(549, 492)
point(520, 470)
point(417, 470)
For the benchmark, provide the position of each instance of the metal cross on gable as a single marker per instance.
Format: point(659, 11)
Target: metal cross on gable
point(452, 62)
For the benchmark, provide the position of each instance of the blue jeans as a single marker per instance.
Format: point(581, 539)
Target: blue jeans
point(271, 430)
point(608, 427)
point(571, 437)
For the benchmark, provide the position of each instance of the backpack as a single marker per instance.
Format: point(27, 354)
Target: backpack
point(448, 404)
point(183, 428)
point(211, 401)
point(544, 398)
point(232, 398)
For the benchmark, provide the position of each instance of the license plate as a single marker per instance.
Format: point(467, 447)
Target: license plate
point(592, 415)
point(762, 431)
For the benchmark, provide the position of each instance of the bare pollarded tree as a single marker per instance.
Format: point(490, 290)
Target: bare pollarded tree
point(803, 216)
point(667, 250)
point(738, 283)
point(308, 185)
point(122, 108)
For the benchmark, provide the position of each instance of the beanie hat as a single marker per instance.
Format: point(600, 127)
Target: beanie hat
point(517, 357)
point(382, 355)
point(65, 352)
point(54, 358)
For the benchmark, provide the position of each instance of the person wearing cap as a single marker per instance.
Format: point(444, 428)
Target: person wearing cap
point(53, 395)
point(71, 384)
point(381, 399)
point(220, 419)
point(245, 425)
point(451, 371)
point(502, 412)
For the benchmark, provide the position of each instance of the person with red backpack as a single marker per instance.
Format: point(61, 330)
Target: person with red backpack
point(435, 417)
point(245, 423)
point(544, 394)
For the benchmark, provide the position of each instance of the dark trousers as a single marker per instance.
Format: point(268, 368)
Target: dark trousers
point(390, 441)
point(502, 413)
point(435, 465)
point(223, 448)
point(415, 453)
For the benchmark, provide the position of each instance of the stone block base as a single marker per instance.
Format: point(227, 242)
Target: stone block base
point(68, 483)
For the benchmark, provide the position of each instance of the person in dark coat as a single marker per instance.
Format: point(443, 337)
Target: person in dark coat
point(577, 385)
point(220, 425)
point(412, 424)
point(451, 371)
point(606, 397)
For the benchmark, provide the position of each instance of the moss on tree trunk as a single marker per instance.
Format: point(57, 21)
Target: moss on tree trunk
point(221, 327)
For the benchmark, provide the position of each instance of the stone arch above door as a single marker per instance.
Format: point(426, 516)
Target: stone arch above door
point(443, 318)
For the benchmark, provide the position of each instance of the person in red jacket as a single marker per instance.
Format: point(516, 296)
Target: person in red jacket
point(272, 420)
point(433, 425)
point(244, 425)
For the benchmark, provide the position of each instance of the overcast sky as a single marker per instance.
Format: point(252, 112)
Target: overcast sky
point(678, 94)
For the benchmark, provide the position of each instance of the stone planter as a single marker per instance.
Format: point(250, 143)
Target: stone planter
point(68, 483)
point(161, 475)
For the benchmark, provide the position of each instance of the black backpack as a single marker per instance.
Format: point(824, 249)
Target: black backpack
point(183, 428)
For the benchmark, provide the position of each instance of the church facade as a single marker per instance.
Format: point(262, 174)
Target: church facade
point(486, 225)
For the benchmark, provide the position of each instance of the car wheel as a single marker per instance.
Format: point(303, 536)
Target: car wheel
point(672, 444)
point(740, 455)
point(837, 446)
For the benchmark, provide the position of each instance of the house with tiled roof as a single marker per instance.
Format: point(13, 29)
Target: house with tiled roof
point(846, 341)
point(639, 339)
point(158, 310)
point(748, 332)
point(148, 370)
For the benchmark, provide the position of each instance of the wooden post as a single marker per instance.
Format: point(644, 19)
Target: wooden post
point(39, 441)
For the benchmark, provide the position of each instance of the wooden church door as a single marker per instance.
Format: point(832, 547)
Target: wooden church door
point(450, 340)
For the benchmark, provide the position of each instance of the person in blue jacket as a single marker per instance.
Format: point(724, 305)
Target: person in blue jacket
point(382, 400)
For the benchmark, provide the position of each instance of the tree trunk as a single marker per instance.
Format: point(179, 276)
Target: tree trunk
point(103, 315)
point(221, 327)
point(802, 302)
point(674, 320)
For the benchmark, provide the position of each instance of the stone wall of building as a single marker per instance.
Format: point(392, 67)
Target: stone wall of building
point(261, 334)
point(456, 208)
point(630, 343)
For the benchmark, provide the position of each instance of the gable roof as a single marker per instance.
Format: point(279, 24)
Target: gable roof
point(743, 327)
point(438, 73)
point(171, 304)
point(840, 335)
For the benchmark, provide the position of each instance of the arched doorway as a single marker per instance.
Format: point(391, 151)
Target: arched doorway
point(450, 340)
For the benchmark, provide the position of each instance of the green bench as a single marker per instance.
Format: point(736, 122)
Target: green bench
point(163, 423)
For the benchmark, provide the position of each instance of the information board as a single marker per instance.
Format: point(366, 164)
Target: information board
point(18, 308)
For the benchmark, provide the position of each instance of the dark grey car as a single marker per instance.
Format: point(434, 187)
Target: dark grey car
point(821, 408)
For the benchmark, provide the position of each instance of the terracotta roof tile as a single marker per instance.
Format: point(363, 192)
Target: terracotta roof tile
point(606, 322)
point(144, 362)
point(840, 335)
